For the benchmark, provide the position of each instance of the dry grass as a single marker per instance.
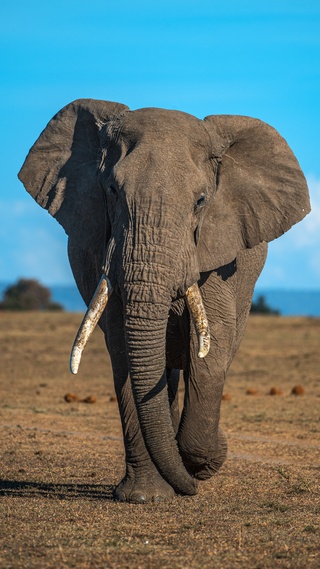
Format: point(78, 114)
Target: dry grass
point(60, 460)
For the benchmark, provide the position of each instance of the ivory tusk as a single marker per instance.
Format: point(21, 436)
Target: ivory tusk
point(90, 320)
point(198, 313)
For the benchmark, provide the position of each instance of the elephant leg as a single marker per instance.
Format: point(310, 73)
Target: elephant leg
point(202, 444)
point(142, 481)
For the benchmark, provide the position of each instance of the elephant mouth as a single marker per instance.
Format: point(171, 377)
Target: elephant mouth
point(99, 302)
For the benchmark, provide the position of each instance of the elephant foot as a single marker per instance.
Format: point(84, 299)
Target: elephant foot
point(143, 485)
point(204, 469)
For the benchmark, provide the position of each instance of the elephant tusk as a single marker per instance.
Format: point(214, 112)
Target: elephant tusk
point(198, 313)
point(90, 320)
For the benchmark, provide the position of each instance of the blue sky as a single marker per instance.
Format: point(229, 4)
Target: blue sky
point(203, 57)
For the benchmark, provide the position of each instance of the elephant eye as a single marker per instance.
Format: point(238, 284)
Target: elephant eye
point(200, 202)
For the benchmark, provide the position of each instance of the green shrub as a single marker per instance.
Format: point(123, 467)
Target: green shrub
point(28, 294)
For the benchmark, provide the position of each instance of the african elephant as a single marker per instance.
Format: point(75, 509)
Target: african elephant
point(168, 219)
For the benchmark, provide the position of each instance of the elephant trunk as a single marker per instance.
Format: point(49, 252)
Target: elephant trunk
point(149, 279)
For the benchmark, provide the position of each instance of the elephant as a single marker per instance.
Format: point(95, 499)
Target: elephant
point(168, 219)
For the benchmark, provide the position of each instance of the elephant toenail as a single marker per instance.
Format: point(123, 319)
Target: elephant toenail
point(138, 498)
point(158, 498)
point(120, 496)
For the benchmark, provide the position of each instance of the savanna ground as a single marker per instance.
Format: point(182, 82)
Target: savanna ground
point(59, 460)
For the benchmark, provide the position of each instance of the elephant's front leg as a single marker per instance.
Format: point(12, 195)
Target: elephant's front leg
point(142, 481)
point(202, 444)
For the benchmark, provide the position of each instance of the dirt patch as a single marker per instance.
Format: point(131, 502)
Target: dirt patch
point(60, 460)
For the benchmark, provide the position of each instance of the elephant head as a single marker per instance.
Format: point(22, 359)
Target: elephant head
point(149, 200)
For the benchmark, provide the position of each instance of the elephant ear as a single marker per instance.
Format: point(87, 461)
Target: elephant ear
point(260, 189)
point(61, 171)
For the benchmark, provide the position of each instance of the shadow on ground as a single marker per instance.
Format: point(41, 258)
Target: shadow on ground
point(28, 489)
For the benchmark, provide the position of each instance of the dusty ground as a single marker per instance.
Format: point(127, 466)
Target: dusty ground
point(59, 460)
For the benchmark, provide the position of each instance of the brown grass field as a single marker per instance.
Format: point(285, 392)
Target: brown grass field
point(60, 461)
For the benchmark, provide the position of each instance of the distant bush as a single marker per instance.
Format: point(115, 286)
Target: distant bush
point(261, 307)
point(28, 294)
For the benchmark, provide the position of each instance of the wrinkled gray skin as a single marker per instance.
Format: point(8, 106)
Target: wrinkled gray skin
point(166, 200)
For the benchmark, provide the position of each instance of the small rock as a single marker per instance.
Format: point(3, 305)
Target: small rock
point(297, 390)
point(252, 391)
point(275, 391)
point(89, 399)
point(71, 398)
point(226, 397)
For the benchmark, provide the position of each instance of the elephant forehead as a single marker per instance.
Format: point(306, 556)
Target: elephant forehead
point(166, 127)
point(151, 165)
